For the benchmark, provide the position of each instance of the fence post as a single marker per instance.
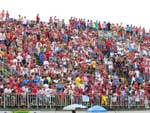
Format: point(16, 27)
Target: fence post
point(50, 101)
point(4, 102)
point(110, 101)
point(37, 100)
point(71, 97)
point(17, 95)
point(28, 105)
point(56, 102)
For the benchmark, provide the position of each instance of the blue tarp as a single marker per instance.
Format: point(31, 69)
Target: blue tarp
point(96, 109)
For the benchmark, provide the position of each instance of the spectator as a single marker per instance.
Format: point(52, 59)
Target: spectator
point(87, 58)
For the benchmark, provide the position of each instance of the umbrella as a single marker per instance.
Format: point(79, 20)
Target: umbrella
point(74, 107)
point(96, 109)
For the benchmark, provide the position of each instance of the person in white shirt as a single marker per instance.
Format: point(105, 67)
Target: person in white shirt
point(114, 98)
point(15, 61)
point(24, 21)
point(19, 58)
point(141, 93)
point(2, 36)
point(41, 94)
point(137, 73)
point(110, 66)
point(105, 60)
point(48, 92)
point(28, 58)
point(7, 90)
point(97, 75)
point(133, 79)
point(25, 90)
point(46, 64)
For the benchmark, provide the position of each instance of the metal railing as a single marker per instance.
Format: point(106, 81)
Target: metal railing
point(32, 101)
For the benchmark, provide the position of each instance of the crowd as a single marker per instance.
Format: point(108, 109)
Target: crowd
point(80, 58)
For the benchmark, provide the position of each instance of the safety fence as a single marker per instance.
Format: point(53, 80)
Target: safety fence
point(31, 101)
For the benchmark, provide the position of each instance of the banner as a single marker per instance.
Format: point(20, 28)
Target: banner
point(20, 112)
point(25, 111)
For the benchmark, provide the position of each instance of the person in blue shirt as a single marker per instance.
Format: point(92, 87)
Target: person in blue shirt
point(78, 25)
point(41, 57)
point(127, 29)
point(59, 87)
point(21, 84)
point(139, 79)
point(26, 81)
point(65, 38)
point(45, 81)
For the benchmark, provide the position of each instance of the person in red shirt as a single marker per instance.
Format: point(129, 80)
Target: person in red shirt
point(99, 26)
point(34, 90)
point(48, 53)
point(18, 90)
point(118, 92)
point(37, 19)
point(136, 85)
point(46, 33)
point(50, 20)
point(77, 95)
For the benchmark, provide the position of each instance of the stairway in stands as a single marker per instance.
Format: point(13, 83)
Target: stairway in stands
point(4, 69)
point(37, 59)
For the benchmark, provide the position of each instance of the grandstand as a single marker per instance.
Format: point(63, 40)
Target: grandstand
point(54, 64)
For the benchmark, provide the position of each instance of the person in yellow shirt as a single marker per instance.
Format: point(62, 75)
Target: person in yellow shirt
point(93, 65)
point(78, 81)
point(103, 98)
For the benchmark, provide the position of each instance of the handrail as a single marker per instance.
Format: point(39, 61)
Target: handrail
point(38, 101)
